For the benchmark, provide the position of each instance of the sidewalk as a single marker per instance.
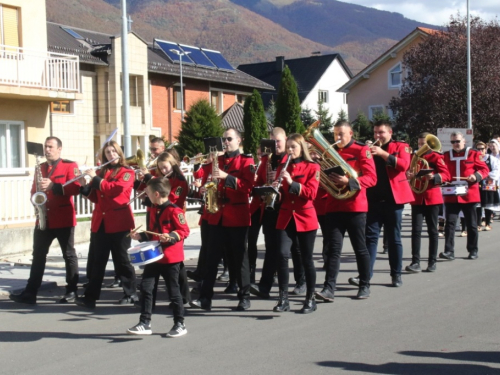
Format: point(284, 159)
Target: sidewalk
point(15, 269)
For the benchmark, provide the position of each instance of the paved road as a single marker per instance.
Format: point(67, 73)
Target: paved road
point(441, 323)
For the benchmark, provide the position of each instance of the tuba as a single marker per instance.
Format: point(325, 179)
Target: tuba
point(39, 198)
point(417, 162)
point(329, 158)
point(212, 195)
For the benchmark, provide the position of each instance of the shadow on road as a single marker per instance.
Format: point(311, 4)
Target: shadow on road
point(492, 357)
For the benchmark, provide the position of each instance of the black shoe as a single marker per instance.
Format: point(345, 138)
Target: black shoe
point(201, 303)
point(117, 283)
point(195, 290)
point(128, 300)
point(256, 291)
point(84, 285)
point(224, 276)
point(396, 281)
point(283, 304)
point(447, 255)
point(24, 297)
point(68, 297)
point(231, 288)
point(413, 268)
point(384, 250)
point(473, 255)
point(431, 267)
point(363, 292)
point(243, 305)
point(84, 302)
point(354, 281)
point(299, 289)
point(309, 305)
point(193, 275)
point(325, 295)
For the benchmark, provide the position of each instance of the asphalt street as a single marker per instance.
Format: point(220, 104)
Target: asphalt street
point(447, 322)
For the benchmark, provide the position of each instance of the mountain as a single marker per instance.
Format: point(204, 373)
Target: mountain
point(247, 31)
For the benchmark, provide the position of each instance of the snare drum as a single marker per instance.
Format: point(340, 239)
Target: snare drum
point(145, 253)
point(455, 190)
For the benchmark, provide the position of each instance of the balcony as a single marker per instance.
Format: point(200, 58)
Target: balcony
point(38, 75)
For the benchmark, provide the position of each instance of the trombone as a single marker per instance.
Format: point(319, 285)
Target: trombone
point(87, 168)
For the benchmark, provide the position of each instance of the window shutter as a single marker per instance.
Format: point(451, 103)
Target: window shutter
point(10, 26)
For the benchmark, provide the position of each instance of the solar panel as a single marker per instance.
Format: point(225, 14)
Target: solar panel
point(197, 56)
point(73, 33)
point(166, 47)
point(219, 60)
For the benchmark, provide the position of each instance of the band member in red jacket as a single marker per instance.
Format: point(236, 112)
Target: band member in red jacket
point(466, 164)
point(60, 222)
point(228, 226)
point(348, 214)
point(297, 219)
point(387, 198)
point(112, 220)
point(168, 220)
point(426, 204)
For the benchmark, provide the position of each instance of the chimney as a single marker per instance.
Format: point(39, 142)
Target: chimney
point(280, 63)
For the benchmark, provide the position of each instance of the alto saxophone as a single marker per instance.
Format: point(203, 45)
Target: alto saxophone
point(39, 198)
point(211, 194)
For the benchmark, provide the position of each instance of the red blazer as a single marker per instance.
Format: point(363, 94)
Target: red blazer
point(111, 193)
point(321, 201)
point(168, 218)
point(297, 198)
point(60, 205)
point(234, 191)
point(463, 164)
point(441, 174)
point(359, 157)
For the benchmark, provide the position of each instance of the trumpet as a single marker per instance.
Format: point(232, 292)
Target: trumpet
point(201, 158)
point(143, 193)
point(87, 168)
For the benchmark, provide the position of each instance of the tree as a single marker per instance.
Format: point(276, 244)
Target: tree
point(288, 105)
point(255, 123)
point(342, 116)
point(325, 119)
point(434, 92)
point(200, 121)
point(271, 111)
point(306, 117)
point(362, 128)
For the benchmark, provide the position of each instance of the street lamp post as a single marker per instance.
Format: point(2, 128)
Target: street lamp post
point(469, 93)
point(180, 54)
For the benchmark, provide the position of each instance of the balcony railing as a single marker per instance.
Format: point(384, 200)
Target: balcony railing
point(16, 207)
point(46, 70)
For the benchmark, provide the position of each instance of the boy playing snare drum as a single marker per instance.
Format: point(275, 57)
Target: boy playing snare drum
point(167, 219)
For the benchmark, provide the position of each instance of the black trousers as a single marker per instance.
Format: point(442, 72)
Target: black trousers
point(201, 267)
point(272, 253)
point(42, 239)
point(170, 273)
point(253, 236)
point(452, 211)
point(487, 215)
point(102, 244)
point(430, 214)
point(233, 239)
point(337, 223)
point(289, 238)
point(323, 225)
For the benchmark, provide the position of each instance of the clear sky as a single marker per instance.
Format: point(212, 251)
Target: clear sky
point(435, 12)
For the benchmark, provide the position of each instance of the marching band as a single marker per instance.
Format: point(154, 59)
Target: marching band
point(300, 183)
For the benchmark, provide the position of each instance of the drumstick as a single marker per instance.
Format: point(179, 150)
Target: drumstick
point(153, 233)
point(134, 230)
point(461, 178)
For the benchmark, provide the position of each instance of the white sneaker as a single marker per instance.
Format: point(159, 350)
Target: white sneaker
point(140, 329)
point(178, 330)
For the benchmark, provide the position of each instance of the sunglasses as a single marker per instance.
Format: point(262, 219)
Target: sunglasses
point(481, 148)
point(153, 149)
point(453, 142)
point(229, 139)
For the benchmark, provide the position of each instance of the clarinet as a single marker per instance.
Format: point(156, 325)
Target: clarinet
point(271, 204)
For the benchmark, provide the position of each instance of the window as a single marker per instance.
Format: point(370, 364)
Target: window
point(11, 144)
point(9, 26)
point(240, 98)
point(177, 97)
point(215, 100)
point(375, 110)
point(323, 96)
point(395, 76)
point(63, 106)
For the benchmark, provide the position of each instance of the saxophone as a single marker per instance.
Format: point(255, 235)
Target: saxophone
point(39, 198)
point(211, 194)
point(269, 197)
